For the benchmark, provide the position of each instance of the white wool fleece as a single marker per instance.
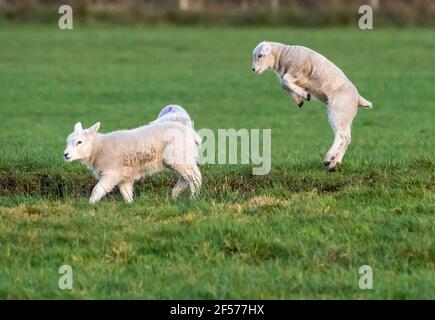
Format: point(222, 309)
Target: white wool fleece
point(303, 73)
point(119, 158)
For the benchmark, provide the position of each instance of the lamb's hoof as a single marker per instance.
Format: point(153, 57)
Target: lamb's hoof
point(308, 97)
point(300, 104)
point(174, 196)
point(333, 166)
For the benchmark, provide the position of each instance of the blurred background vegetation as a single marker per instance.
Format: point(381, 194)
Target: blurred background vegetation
point(224, 12)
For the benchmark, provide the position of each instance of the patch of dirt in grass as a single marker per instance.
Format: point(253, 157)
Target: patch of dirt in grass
point(260, 204)
point(35, 211)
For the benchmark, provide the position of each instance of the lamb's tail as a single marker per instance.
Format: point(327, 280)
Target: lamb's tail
point(363, 103)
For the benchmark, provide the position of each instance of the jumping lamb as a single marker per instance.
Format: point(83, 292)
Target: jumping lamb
point(303, 73)
point(122, 157)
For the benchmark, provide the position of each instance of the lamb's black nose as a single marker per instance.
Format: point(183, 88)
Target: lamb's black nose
point(65, 155)
point(253, 69)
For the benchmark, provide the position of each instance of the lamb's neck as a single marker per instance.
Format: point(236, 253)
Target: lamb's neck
point(278, 53)
point(97, 146)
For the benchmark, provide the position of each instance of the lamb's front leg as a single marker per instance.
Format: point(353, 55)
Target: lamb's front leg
point(288, 83)
point(104, 186)
point(298, 100)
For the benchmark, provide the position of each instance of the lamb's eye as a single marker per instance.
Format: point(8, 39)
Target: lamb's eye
point(259, 56)
point(79, 142)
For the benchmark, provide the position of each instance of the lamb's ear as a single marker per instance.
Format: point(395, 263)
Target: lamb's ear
point(78, 126)
point(265, 49)
point(94, 128)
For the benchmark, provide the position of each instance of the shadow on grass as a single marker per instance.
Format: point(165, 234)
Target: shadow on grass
point(62, 181)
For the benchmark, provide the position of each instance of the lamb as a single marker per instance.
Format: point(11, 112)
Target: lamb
point(303, 73)
point(122, 157)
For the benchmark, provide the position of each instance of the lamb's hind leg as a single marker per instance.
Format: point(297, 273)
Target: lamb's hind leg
point(335, 154)
point(181, 185)
point(340, 115)
point(191, 176)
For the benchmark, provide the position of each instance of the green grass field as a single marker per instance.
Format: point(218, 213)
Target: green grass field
point(296, 233)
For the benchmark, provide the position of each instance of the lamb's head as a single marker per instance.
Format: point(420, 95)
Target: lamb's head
point(79, 143)
point(262, 57)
